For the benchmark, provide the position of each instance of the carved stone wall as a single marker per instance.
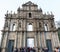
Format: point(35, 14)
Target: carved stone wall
point(20, 34)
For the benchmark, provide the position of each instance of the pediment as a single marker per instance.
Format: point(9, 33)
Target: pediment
point(29, 3)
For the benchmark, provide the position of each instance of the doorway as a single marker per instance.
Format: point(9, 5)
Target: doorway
point(49, 45)
point(30, 42)
point(10, 45)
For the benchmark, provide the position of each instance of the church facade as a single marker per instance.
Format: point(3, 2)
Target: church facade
point(29, 27)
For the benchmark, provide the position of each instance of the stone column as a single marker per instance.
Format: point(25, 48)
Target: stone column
point(36, 41)
point(18, 43)
point(57, 38)
point(39, 46)
point(24, 39)
point(21, 41)
point(4, 42)
point(43, 39)
point(15, 44)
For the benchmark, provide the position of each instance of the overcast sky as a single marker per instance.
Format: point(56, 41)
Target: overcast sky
point(46, 5)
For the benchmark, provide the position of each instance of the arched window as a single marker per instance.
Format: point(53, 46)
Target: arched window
point(29, 27)
point(29, 14)
point(13, 27)
point(45, 27)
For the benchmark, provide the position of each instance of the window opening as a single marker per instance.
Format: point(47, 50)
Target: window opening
point(30, 27)
point(29, 14)
point(45, 27)
point(13, 27)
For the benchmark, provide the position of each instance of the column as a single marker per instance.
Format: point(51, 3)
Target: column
point(24, 39)
point(4, 42)
point(36, 42)
point(39, 42)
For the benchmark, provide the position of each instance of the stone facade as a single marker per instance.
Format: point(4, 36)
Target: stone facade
point(29, 23)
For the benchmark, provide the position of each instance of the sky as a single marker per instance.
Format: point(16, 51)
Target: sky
point(12, 5)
